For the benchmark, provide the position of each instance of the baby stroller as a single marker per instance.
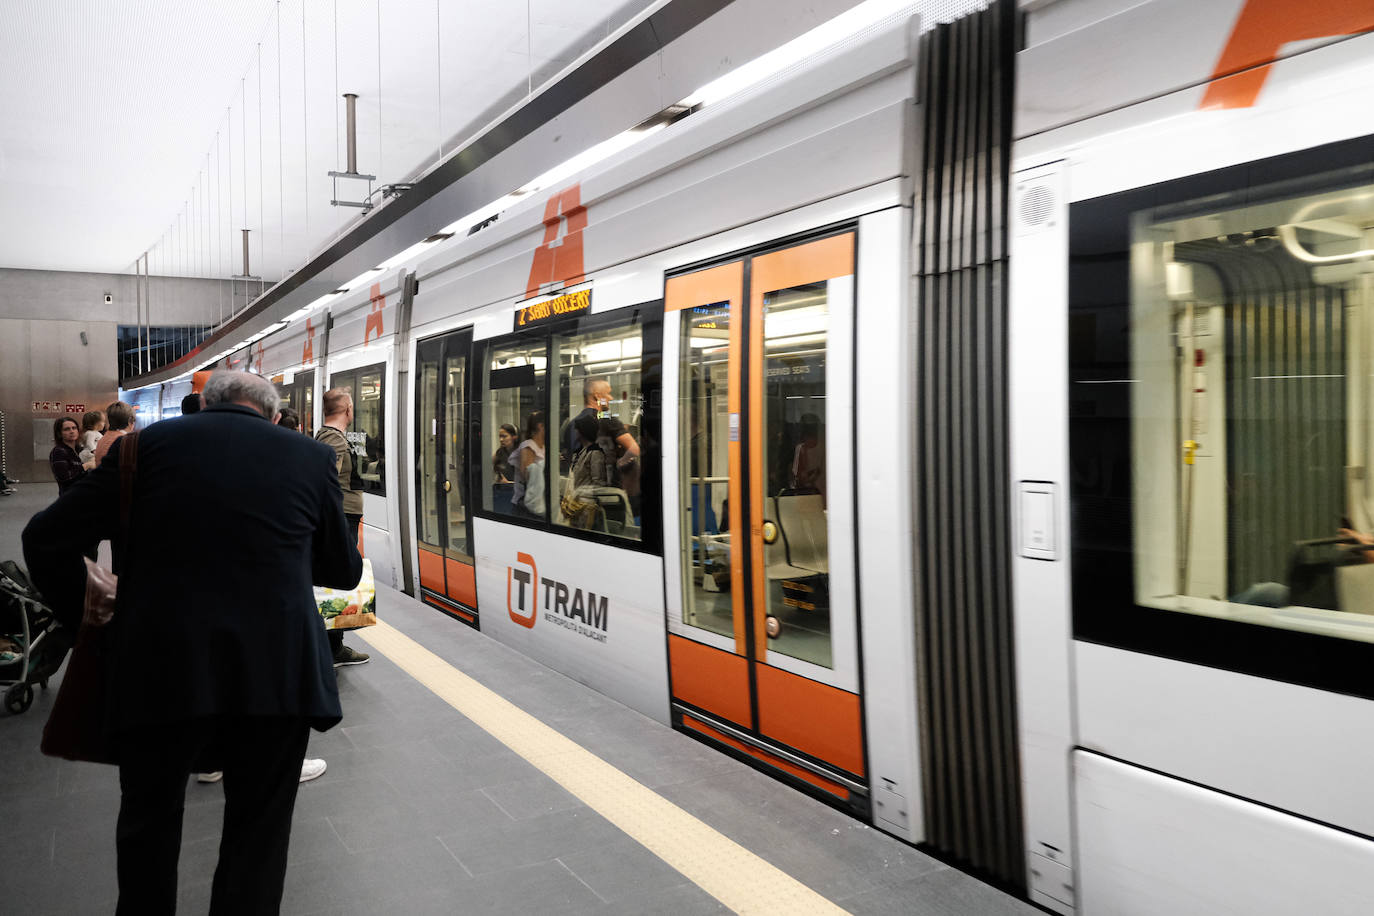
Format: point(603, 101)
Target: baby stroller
point(32, 643)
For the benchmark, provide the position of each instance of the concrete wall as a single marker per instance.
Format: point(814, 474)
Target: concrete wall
point(72, 296)
point(47, 361)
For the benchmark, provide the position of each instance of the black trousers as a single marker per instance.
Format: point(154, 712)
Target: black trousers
point(261, 758)
point(336, 636)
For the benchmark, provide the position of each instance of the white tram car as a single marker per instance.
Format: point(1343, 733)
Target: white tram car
point(1177, 328)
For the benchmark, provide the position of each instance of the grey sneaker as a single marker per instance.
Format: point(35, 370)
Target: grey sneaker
point(347, 656)
point(312, 768)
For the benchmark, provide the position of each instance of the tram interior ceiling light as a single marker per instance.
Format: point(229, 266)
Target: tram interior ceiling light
point(351, 173)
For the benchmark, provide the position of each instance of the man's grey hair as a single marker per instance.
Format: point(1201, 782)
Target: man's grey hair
point(229, 387)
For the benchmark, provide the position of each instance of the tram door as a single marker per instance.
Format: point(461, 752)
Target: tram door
point(763, 647)
point(447, 577)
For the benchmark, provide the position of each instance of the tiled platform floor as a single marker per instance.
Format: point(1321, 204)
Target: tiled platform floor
point(423, 812)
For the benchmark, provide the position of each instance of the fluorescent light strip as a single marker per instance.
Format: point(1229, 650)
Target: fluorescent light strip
point(843, 26)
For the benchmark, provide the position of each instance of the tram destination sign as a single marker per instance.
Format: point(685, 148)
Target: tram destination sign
point(578, 303)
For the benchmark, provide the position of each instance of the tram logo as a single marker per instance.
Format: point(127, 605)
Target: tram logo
point(374, 317)
point(584, 612)
point(308, 350)
point(528, 595)
point(1262, 29)
point(558, 260)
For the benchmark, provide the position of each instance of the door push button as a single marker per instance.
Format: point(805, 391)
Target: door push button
point(1038, 534)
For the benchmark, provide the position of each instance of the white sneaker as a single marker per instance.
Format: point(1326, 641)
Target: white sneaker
point(312, 768)
point(210, 777)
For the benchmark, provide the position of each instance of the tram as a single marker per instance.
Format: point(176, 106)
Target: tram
point(990, 422)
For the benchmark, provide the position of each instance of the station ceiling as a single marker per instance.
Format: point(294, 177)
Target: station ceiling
point(166, 127)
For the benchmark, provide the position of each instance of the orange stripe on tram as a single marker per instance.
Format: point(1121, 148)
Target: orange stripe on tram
point(792, 769)
point(704, 287)
point(462, 582)
point(821, 720)
point(711, 679)
point(1262, 29)
point(431, 570)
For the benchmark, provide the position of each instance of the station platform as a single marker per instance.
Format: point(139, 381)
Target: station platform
point(466, 778)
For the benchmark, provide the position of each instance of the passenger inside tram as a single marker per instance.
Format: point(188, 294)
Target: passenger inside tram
point(1250, 321)
point(503, 475)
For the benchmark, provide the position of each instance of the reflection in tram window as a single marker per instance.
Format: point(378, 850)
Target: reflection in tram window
point(797, 562)
point(599, 431)
point(366, 435)
point(455, 404)
point(1240, 378)
point(704, 433)
point(515, 395)
point(430, 476)
point(298, 392)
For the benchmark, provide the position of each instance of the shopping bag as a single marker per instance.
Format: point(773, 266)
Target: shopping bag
point(349, 608)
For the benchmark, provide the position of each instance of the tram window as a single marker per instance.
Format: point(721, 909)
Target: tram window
point(796, 324)
point(704, 433)
point(366, 435)
point(430, 475)
point(600, 410)
point(515, 398)
point(1222, 407)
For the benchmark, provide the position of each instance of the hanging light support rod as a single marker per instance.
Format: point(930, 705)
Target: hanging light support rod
point(351, 104)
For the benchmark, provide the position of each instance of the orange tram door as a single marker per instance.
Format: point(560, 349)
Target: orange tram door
point(763, 633)
point(442, 523)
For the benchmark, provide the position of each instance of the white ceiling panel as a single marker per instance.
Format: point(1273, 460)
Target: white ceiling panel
point(165, 127)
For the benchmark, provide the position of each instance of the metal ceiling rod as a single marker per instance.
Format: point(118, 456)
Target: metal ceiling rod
point(351, 102)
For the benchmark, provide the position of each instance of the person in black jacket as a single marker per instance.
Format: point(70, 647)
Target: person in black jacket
point(220, 657)
point(63, 459)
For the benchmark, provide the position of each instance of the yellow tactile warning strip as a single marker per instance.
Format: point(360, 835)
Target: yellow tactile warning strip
point(718, 865)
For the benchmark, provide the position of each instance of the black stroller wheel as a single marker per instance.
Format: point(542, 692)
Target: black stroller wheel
point(18, 698)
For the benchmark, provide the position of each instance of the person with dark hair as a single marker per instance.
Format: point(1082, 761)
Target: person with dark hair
point(508, 436)
point(290, 419)
point(338, 416)
point(65, 463)
point(528, 494)
point(92, 426)
point(589, 472)
point(119, 417)
point(503, 474)
point(226, 609)
point(190, 404)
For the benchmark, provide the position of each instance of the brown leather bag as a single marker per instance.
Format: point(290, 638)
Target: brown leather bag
point(76, 727)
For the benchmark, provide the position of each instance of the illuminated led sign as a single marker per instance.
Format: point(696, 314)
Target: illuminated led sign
point(576, 303)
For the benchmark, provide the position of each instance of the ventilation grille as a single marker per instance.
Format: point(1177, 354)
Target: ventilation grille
point(1035, 209)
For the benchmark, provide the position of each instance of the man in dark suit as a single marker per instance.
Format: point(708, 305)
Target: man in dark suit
point(222, 661)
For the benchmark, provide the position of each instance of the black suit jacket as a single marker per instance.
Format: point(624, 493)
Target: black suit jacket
point(232, 520)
